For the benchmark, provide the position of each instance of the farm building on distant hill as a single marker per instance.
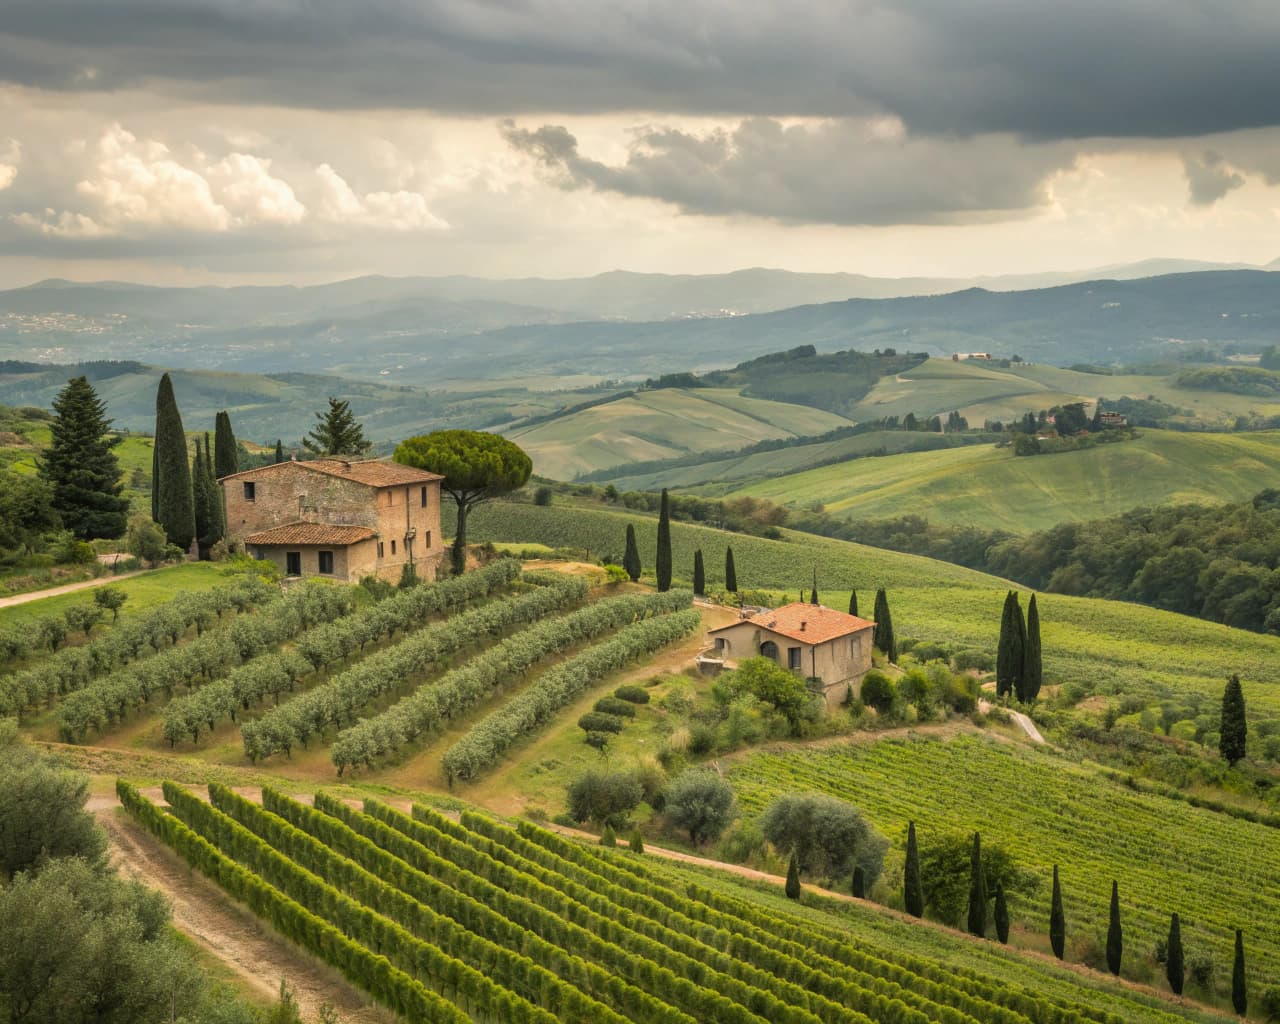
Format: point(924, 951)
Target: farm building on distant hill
point(831, 649)
point(336, 517)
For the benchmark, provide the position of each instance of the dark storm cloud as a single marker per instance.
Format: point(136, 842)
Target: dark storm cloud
point(1209, 177)
point(1046, 70)
point(834, 173)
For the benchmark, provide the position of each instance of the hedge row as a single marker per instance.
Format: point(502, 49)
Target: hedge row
point(75, 667)
point(343, 697)
point(323, 647)
point(109, 699)
point(465, 687)
point(485, 742)
point(375, 974)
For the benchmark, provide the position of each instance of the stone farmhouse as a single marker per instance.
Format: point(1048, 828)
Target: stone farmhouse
point(831, 649)
point(337, 517)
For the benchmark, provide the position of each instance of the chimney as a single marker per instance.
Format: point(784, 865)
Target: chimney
point(802, 625)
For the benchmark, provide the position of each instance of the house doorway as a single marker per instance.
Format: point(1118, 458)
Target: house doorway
point(769, 649)
point(293, 563)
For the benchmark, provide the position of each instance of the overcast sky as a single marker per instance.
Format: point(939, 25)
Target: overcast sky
point(303, 140)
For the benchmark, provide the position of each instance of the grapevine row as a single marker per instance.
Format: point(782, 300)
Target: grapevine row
point(345, 695)
point(74, 667)
point(485, 742)
point(389, 985)
point(465, 687)
point(323, 647)
point(107, 700)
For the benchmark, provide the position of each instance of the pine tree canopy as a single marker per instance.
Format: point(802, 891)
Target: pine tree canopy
point(337, 432)
point(80, 467)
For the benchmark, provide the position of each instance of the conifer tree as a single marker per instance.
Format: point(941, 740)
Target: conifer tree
point(631, 559)
point(337, 432)
point(1001, 915)
point(218, 508)
point(202, 500)
point(1009, 653)
point(1173, 965)
point(912, 890)
point(1115, 934)
point(882, 636)
point(977, 890)
point(663, 561)
point(279, 451)
point(1239, 987)
point(730, 572)
point(853, 602)
point(699, 574)
point(80, 467)
point(1234, 728)
point(225, 458)
point(813, 597)
point(859, 886)
point(793, 879)
point(171, 485)
point(1057, 921)
point(1032, 664)
point(637, 841)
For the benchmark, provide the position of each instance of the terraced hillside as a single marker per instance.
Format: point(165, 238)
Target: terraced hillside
point(474, 920)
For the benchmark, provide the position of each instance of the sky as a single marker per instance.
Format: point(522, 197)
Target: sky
point(272, 141)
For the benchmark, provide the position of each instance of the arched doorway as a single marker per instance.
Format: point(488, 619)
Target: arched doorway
point(769, 649)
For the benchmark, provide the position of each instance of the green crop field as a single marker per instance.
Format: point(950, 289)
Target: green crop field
point(1104, 646)
point(662, 424)
point(991, 488)
point(478, 921)
point(1217, 872)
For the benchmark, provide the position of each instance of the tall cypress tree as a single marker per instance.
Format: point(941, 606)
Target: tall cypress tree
point(699, 574)
point(1020, 649)
point(859, 885)
point(730, 572)
point(174, 498)
point(80, 467)
point(1235, 728)
point(977, 890)
point(217, 507)
point(201, 501)
point(813, 597)
point(1239, 986)
point(279, 451)
point(882, 636)
point(793, 879)
point(225, 458)
point(853, 602)
point(912, 890)
point(631, 559)
point(1115, 934)
point(1009, 653)
point(1032, 664)
point(1173, 967)
point(1057, 920)
point(664, 543)
point(1001, 915)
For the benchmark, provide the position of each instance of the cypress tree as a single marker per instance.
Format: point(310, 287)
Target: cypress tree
point(225, 458)
point(279, 451)
point(859, 886)
point(1001, 915)
point(1239, 988)
point(977, 891)
point(155, 478)
point(1020, 652)
point(912, 890)
point(730, 573)
point(1032, 664)
point(1235, 729)
point(1115, 935)
point(1009, 653)
point(1173, 969)
point(1057, 921)
point(664, 543)
point(218, 508)
point(201, 501)
point(80, 467)
point(813, 597)
point(699, 576)
point(853, 602)
point(793, 879)
point(171, 486)
point(631, 560)
point(882, 636)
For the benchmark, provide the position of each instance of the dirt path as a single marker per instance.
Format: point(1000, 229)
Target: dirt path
point(1022, 721)
point(224, 929)
point(66, 588)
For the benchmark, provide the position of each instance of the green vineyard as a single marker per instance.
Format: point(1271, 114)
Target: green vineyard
point(455, 920)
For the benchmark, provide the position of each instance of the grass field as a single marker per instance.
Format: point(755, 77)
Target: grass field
point(1104, 646)
point(663, 424)
point(991, 488)
point(145, 591)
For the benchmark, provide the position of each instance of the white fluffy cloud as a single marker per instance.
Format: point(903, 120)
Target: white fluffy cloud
point(247, 188)
point(392, 211)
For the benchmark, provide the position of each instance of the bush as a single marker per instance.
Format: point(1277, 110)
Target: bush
point(701, 803)
point(543, 496)
point(971, 660)
point(828, 836)
point(604, 797)
point(376, 587)
point(1184, 730)
point(877, 691)
point(615, 573)
point(145, 539)
point(945, 874)
point(607, 837)
point(598, 721)
point(767, 681)
point(1269, 1004)
point(928, 651)
point(632, 694)
point(616, 707)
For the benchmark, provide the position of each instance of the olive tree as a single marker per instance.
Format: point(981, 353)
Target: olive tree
point(701, 803)
point(828, 836)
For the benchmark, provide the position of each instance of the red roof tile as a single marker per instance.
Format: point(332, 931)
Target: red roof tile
point(311, 533)
point(808, 623)
point(370, 472)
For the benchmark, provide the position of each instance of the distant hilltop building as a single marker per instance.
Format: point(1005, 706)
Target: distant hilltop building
point(338, 517)
point(1113, 419)
point(972, 355)
point(831, 649)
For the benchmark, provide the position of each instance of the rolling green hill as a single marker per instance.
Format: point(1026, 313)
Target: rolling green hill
point(660, 424)
point(989, 487)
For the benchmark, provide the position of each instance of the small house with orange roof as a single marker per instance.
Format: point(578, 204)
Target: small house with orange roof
point(831, 649)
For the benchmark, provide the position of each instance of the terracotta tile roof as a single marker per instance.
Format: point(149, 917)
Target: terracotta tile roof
point(311, 533)
point(370, 472)
point(808, 623)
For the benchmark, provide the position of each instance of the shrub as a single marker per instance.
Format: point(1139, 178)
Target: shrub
point(1184, 730)
point(928, 651)
point(1201, 969)
point(543, 496)
point(702, 739)
point(637, 841)
point(828, 836)
point(946, 873)
point(877, 691)
point(607, 838)
point(604, 797)
point(1269, 1005)
point(632, 694)
point(767, 681)
point(616, 707)
point(615, 573)
point(598, 721)
point(701, 803)
point(971, 660)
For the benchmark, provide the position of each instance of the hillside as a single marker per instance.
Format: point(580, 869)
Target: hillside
point(989, 487)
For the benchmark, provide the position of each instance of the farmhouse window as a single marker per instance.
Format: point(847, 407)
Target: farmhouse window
point(424, 497)
point(793, 658)
point(326, 563)
point(393, 547)
point(427, 541)
point(381, 551)
point(250, 491)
